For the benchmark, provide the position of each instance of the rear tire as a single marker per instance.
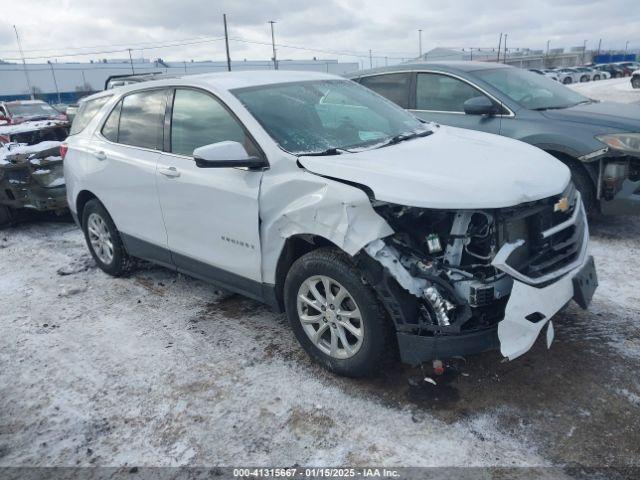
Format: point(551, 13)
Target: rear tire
point(306, 279)
point(103, 240)
point(596, 77)
point(567, 80)
point(635, 82)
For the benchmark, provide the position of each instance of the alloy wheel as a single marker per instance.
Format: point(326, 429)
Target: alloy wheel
point(100, 238)
point(330, 317)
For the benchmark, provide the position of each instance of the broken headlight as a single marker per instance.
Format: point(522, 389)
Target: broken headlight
point(623, 142)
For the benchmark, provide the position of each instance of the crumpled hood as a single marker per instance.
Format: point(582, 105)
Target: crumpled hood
point(451, 169)
point(620, 116)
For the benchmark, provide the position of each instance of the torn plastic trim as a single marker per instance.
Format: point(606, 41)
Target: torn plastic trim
point(388, 257)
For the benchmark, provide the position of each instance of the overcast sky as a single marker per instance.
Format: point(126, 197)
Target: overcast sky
point(388, 28)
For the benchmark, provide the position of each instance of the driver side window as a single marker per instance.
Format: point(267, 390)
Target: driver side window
point(442, 93)
point(198, 119)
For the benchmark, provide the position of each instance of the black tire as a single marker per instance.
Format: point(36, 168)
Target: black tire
point(584, 79)
point(567, 80)
point(121, 263)
point(587, 190)
point(376, 347)
point(596, 77)
point(635, 82)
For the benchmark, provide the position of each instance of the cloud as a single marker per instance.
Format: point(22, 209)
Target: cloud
point(389, 29)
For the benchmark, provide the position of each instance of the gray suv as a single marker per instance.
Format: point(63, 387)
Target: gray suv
point(598, 141)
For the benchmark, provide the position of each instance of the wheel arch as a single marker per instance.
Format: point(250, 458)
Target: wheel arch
point(295, 247)
point(81, 200)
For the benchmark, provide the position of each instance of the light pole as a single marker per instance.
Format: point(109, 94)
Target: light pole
point(273, 44)
point(584, 51)
point(24, 64)
point(226, 41)
point(55, 82)
point(420, 43)
point(626, 47)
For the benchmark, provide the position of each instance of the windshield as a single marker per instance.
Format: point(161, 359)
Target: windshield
point(531, 91)
point(324, 115)
point(32, 110)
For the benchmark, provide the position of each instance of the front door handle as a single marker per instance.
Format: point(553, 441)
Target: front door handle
point(169, 171)
point(100, 155)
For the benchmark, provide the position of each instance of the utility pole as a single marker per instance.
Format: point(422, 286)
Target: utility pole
point(626, 47)
point(499, 48)
point(386, 63)
point(546, 58)
point(599, 46)
point(505, 48)
point(55, 82)
point(24, 64)
point(370, 59)
point(226, 41)
point(584, 52)
point(131, 62)
point(273, 44)
point(471, 53)
point(420, 43)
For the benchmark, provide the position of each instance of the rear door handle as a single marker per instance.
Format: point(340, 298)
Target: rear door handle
point(100, 155)
point(169, 171)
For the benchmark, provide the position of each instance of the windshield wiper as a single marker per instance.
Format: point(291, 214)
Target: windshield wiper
point(562, 107)
point(405, 136)
point(324, 153)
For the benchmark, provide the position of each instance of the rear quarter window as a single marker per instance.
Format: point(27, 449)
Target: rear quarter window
point(87, 110)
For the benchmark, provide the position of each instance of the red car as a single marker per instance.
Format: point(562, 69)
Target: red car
point(15, 112)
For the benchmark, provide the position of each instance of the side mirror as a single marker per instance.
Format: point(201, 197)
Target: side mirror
point(225, 155)
point(480, 106)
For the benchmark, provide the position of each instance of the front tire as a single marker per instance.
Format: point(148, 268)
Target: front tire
point(103, 240)
point(335, 316)
point(567, 80)
point(635, 82)
point(586, 188)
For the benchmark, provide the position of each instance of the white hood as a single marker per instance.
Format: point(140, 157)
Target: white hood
point(451, 169)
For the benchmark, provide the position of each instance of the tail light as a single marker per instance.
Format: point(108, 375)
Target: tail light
point(64, 148)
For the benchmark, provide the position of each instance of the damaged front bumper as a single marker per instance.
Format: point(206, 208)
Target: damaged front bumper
point(539, 290)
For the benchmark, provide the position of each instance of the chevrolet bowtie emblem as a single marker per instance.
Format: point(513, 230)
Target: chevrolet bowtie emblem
point(561, 205)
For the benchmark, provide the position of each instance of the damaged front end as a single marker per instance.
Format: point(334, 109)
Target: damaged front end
point(457, 282)
point(31, 176)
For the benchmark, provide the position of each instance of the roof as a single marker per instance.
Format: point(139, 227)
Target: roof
point(253, 78)
point(452, 66)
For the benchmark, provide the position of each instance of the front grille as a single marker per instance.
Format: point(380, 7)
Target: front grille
point(547, 243)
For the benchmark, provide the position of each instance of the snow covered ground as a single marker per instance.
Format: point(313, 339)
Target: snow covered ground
point(614, 90)
point(160, 369)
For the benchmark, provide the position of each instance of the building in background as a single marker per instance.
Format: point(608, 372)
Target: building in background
point(520, 57)
point(67, 82)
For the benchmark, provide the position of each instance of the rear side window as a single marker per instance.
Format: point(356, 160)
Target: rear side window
point(110, 127)
point(87, 110)
point(393, 86)
point(198, 119)
point(141, 119)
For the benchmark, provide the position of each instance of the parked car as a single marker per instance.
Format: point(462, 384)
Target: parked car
point(611, 69)
point(547, 73)
point(604, 73)
point(31, 177)
point(589, 73)
point(635, 79)
point(598, 141)
point(627, 67)
point(566, 76)
point(319, 197)
point(18, 111)
point(575, 75)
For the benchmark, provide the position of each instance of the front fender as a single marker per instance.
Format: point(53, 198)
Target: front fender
point(296, 203)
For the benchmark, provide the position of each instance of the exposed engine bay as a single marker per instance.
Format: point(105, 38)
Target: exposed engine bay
point(457, 267)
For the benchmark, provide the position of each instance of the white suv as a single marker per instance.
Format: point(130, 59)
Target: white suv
point(375, 232)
